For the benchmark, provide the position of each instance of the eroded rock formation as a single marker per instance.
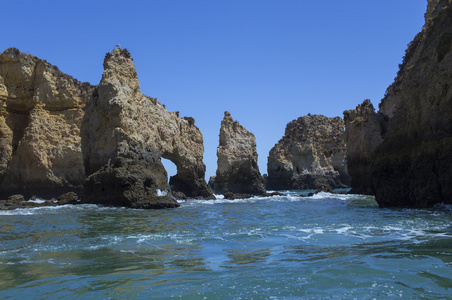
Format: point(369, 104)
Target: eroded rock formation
point(237, 170)
point(41, 110)
point(412, 166)
point(124, 136)
point(364, 130)
point(310, 155)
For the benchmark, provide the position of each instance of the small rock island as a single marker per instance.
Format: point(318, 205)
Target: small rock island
point(237, 170)
point(310, 155)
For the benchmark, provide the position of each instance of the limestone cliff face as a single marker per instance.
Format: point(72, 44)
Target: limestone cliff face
point(41, 110)
point(413, 165)
point(237, 170)
point(310, 155)
point(127, 133)
point(364, 130)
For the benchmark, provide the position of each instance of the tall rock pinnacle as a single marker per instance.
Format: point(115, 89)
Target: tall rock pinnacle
point(124, 136)
point(237, 170)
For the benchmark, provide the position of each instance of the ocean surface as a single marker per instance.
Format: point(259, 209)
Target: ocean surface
point(284, 247)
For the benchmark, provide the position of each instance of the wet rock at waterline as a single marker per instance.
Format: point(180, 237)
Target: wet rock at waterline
point(237, 170)
point(124, 136)
point(41, 112)
point(403, 153)
point(310, 155)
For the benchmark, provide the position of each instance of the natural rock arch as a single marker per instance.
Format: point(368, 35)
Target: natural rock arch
point(126, 133)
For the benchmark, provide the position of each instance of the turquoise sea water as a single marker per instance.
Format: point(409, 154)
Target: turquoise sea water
point(283, 247)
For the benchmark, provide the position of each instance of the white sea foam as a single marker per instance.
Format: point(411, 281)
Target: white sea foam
point(37, 200)
point(344, 229)
point(162, 193)
point(54, 209)
point(291, 196)
point(326, 195)
point(401, 233)
point(128, 251)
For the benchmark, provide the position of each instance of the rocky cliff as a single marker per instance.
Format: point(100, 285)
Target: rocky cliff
point(364, 130)
point(124, 136)
point(310, 155)
point(41, 110)
point(237, 170)
point(412, 166)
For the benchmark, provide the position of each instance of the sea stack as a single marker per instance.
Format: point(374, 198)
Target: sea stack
point(364, 130)
point(237, 170)
point(41, 112)
point(124, 136)
point(310, 155)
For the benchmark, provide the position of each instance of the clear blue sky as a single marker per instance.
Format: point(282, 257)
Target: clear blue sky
point(265, 61)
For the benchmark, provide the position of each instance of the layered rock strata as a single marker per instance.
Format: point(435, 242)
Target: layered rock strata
point(41, 111)
point(124, 136)
point(310, 155)
point(364, 130)
point(237, 170)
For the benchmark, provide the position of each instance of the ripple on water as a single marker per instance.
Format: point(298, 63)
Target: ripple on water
point(283, 246)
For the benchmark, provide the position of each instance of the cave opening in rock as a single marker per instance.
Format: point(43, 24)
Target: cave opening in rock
point(170, 167)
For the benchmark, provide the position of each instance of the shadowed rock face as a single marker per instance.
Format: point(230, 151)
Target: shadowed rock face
point(237, 170)
point(41, 110)
point(413, 165)
point(364, 129)
point(411, 160)
point(124, 136)
point(310, 155)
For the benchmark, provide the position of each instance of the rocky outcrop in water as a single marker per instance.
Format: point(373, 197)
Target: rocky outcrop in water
point(237, 170)
point(412, 167)
point(364, 129)
point(310, 155)
point(41, 110)
point(124, 136)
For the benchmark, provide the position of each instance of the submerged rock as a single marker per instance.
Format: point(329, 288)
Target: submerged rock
point(16, 198)
point(234, 196)
point(237, 170)
point(18, 201)
point(310, 155)
point(68, 198)
point(41, 110)
point(124, 136)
